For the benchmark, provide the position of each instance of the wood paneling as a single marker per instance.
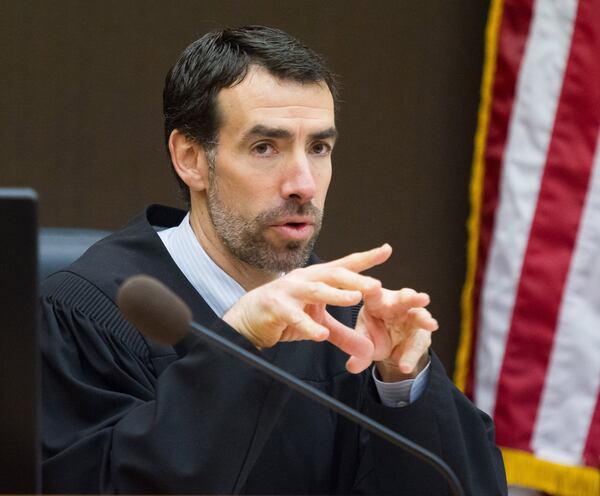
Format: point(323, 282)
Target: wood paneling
point(82, 124)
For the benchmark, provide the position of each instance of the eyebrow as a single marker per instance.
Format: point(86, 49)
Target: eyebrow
point(278, 133)
point(325, 134)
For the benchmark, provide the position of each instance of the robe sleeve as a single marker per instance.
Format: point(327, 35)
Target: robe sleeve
point(111, 425)
point(446, 423)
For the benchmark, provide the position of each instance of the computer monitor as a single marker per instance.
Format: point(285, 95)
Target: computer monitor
point(19, 356)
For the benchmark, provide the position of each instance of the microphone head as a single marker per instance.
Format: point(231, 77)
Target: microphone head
point(154, 310)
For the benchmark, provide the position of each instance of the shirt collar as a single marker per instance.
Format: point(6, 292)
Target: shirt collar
point(219, 289)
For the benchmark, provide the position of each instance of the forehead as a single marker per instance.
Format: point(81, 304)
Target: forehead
point(261, 98)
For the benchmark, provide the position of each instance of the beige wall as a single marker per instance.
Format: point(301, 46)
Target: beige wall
point(81, 118)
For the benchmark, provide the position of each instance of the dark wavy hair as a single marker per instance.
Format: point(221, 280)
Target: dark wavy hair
point(221, 59)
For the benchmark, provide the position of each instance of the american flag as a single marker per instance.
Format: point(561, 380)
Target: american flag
point(530, 346)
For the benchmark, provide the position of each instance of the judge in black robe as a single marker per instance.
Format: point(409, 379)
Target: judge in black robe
point(123, 414)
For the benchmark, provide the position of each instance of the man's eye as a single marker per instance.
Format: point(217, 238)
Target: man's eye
point(321, 148)
point(263, 149)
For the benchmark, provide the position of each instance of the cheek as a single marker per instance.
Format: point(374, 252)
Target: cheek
point(248, 195)
point(240, 176)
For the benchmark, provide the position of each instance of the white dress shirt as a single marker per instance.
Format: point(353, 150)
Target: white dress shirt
point(221, 291)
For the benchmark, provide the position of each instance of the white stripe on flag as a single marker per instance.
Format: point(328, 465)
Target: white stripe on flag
point(568, 400)
point(536, 100)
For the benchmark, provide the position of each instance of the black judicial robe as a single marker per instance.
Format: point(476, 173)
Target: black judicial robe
point(123, 414)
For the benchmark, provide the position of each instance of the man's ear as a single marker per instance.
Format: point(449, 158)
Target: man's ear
point(189, 160)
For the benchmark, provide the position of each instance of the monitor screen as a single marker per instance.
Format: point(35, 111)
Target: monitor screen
point(19, 361)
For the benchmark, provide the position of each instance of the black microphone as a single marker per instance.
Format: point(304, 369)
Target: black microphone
point(162, 316)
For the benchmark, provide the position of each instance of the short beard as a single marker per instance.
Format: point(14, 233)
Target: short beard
point(245, 239)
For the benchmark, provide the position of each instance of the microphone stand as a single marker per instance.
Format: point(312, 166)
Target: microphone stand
point(337, 406)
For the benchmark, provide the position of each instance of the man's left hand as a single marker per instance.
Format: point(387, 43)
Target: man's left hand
point(400, 328)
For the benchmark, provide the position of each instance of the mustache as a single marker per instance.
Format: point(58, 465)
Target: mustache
point(290, 208)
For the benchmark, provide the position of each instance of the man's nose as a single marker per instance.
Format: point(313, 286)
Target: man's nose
point(299, 180)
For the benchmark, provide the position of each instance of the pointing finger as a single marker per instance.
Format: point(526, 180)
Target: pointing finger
point(357, 262)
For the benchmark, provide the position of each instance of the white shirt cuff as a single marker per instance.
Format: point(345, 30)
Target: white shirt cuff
point(401, 393)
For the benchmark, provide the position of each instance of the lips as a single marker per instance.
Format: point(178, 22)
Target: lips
point(295, 228)
point(296, 220)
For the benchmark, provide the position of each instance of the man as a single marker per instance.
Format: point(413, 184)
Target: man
point(250, 126)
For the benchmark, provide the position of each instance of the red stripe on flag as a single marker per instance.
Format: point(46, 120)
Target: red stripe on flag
point(514, 30)
point(552, 237)
point(591, 453)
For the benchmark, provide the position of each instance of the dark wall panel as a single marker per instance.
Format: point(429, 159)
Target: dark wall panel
point(81, 118)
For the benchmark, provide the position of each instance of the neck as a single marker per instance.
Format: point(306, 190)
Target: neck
point(245, 275)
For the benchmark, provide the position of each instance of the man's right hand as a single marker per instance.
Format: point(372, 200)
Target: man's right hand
point(292, 308)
